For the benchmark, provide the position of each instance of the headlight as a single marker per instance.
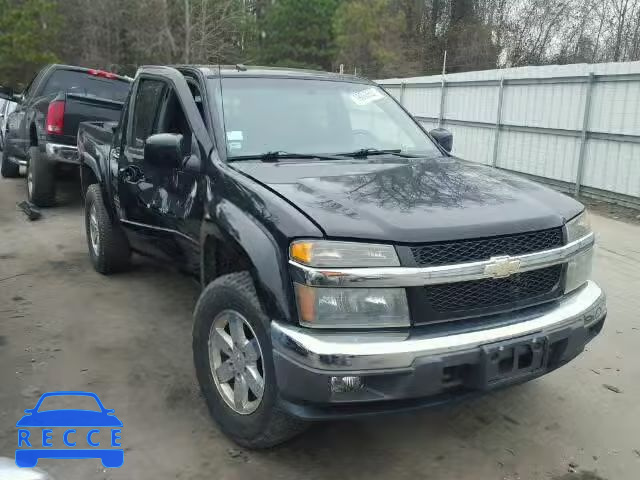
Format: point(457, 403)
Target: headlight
point(579, 270)
point(352, 307)
point(578, 227)
point(579, 267)
point(328, 254)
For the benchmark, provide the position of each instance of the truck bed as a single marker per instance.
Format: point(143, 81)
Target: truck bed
point(82, 108)
point(94, 140)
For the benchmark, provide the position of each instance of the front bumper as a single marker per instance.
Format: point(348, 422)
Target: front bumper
point(58, 152)
point(401, 370)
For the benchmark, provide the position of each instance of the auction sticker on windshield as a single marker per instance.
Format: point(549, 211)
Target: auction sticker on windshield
point(367, 96)
point(69, 433)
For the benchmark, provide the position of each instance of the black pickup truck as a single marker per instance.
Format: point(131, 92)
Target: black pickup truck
point(41, 132)
point(350, 265)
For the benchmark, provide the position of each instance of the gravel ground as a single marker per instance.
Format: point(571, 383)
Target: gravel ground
point(127, 338)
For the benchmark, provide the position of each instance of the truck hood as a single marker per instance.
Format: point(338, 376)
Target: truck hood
point(413, 200)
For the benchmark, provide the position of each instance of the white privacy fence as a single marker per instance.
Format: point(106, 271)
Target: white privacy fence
point(576, 127)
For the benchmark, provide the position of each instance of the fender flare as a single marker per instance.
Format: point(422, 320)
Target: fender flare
point(88, 162)
point(235, 226)
point(92, 164)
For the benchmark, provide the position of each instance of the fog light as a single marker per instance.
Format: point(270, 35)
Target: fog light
point(345, 384)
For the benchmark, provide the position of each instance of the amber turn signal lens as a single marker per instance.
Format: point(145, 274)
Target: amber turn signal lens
point(301, 252)
point(306, 303)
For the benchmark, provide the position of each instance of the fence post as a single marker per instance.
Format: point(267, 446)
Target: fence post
point(443, 87)
point(403, 86)
point(583, 136)
point(494, 160)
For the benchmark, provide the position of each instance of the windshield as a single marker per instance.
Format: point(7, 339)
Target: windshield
point(69, 402)
point(82, 83)
point(315, 117)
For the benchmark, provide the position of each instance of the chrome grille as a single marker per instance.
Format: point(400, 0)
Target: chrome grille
point(447, 253)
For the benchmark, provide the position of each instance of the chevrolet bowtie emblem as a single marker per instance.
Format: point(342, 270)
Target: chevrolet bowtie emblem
point(501, 267)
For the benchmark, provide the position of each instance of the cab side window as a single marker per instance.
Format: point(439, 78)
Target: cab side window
point(145, 111)
point(173, 120)
point(36, 78)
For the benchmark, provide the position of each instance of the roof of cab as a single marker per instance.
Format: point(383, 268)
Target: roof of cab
point(76, 68)
point(274, 72)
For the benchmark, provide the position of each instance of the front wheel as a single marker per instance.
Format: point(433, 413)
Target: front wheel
point(234, 364)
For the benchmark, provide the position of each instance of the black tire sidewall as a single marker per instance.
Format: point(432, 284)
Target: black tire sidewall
point(114, 251)
point(214, 300)
point(90, 200)
point(43, 179)
point(9, 169)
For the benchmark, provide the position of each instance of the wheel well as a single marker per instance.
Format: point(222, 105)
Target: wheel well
point(87, 177)
point(33, 136)
point(221, 258)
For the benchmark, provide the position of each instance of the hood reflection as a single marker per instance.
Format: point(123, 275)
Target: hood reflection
point(439, 183)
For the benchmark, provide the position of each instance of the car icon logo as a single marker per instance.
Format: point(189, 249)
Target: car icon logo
point(28, 452)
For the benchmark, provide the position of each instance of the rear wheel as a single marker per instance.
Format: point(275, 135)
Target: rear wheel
point(109, 249)
point(41, 179)
point(234, 364)
point(8, 169)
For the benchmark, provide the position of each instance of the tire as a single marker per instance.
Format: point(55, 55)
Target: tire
point(8, 169)
point(41, 179)
point(111, 252)
point(266, 425)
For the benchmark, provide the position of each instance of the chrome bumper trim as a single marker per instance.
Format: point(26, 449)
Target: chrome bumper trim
point(19, 161)
point(416, 277)
point(356, 351)
point(61, 153)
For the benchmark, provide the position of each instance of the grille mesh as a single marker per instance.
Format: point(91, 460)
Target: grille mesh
point(488, 293)
point(483, 249)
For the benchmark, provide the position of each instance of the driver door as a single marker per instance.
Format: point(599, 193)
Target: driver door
point(134, 190)
point(164, 203)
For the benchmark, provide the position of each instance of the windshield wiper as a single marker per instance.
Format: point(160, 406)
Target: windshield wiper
point(279, 155)
point(368, 152)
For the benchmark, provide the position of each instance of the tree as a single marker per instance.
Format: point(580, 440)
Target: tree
point(28, 36)
point(369, 37)
point(298, 33)
point(216, 31)
point(469, 41)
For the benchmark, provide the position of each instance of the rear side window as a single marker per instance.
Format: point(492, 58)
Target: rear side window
point(83, 83)
point(34, 82)
point(145, 109)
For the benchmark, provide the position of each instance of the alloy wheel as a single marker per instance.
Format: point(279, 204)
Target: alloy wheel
point(236, 361)
point(94, 231)
point(30, 181)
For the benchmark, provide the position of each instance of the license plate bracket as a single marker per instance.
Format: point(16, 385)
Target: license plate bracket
point(513, 360)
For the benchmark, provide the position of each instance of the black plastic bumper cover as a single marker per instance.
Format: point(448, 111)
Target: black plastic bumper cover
point(431, 380)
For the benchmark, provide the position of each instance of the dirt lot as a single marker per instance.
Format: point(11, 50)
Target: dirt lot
point(127, 338)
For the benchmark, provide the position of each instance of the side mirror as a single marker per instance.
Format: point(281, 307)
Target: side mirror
point(444, 137)
point(164, 150)
point(8, 94)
